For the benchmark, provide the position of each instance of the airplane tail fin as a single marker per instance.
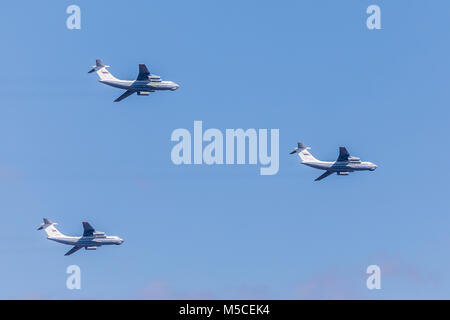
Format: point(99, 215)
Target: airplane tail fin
point(49, 228)
point(303, 153)
point(101, 69)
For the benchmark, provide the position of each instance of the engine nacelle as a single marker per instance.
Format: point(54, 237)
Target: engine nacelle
point(143, 93)
point(354, 159)
point(343, 173)
point(154, 78)
point(90, 248)
point(99, 234)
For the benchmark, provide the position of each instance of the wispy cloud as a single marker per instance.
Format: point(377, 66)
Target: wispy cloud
point(333, 284)
point(159, 289)
point(246, 291)
point(396, 267)
point(31, 296)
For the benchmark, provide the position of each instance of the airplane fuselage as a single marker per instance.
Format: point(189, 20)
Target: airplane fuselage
point(344, 166)
point(146, 86)
point(87, 241)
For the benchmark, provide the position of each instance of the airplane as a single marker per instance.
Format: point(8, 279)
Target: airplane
point(342, 166)
point(90, 239)
point(143, 85)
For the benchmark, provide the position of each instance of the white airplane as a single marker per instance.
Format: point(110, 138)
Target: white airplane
point(143, 85)
point(342, 166)
point(90, 240)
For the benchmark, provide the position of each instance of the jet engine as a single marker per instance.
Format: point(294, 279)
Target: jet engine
point(143, 93)
point(154, 78)
point(99, 234)
point(90, 248)
point(354, 159)
point(343, 173)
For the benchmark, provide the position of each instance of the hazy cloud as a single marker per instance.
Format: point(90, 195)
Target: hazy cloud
point(159, 289)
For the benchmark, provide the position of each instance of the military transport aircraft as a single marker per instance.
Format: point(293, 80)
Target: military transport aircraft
point(90, 239)
point(342, 166)
point(143, 85)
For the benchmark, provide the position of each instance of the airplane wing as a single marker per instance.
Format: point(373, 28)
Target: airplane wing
point(343, 154)
point(143, 72)
point(88, 229)
point(74, 249)
point(124, 95)
point(326, 174)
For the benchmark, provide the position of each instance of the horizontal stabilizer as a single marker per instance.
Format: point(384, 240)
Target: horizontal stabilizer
point(303, 153)
point(98, 65)
point(300, 147)
point(101, 69)
point(46, 223)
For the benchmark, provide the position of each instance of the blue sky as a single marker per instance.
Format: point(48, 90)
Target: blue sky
point(308, 68)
